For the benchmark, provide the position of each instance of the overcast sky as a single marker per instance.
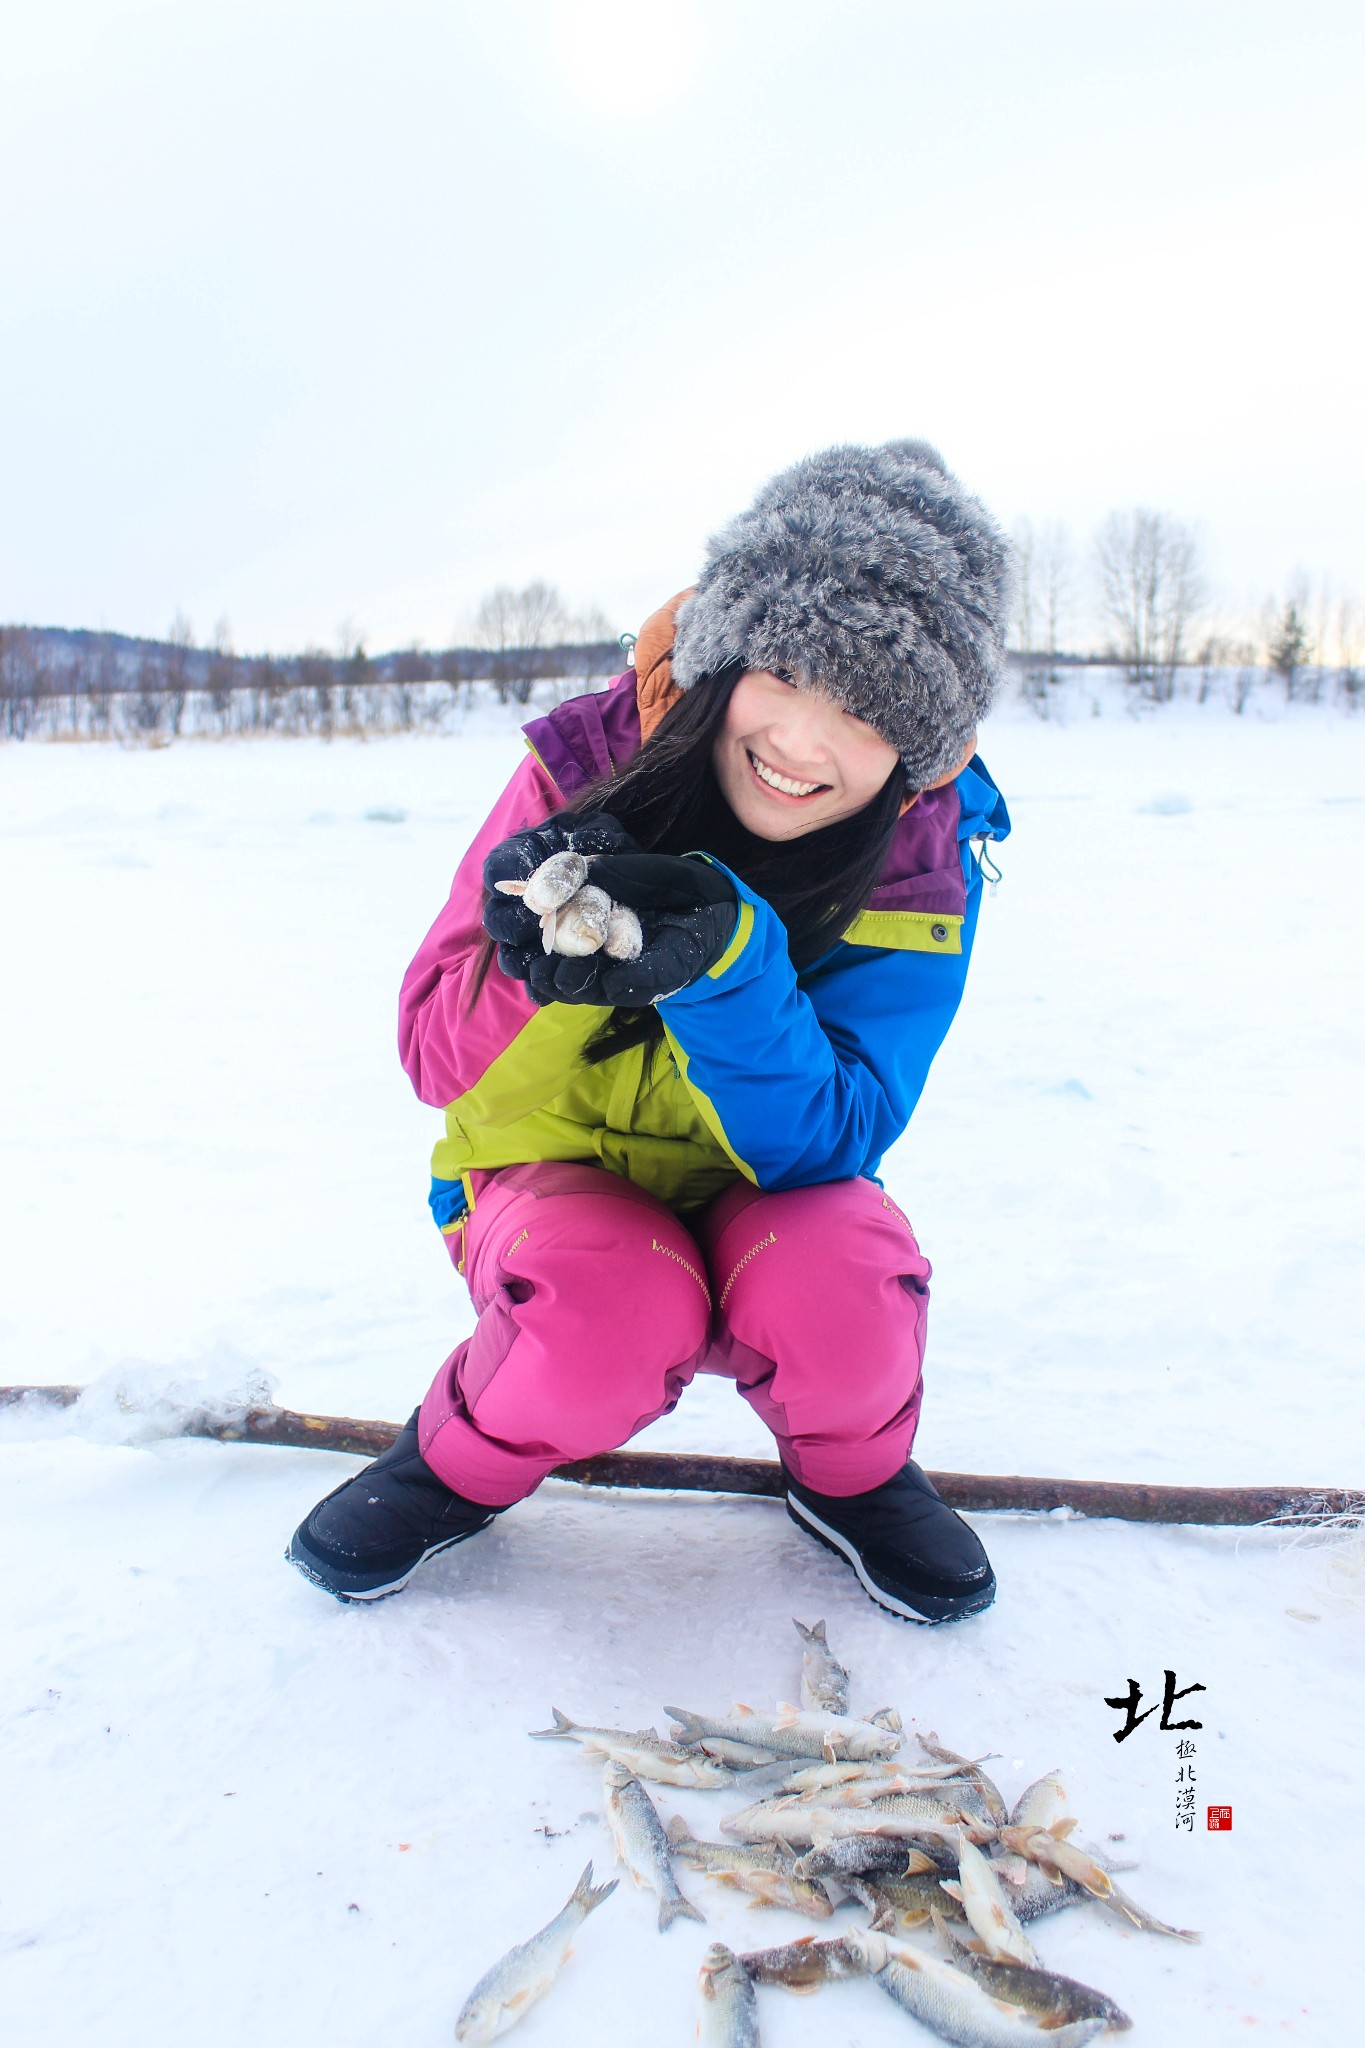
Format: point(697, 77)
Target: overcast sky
point(343, 312)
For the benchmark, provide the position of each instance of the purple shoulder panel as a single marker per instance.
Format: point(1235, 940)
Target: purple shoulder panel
point(584, 739)
point(923, 870)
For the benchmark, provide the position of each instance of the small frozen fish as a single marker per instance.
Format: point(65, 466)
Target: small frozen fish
point(741, 1756)
point(824, 1681)
point(578, 927)
point(551, 884)
point(1050, 1848)
point(1052, 1999)
point(865, 1856)
point(808, 1824)
point(1040, 1803)
point(880, 1778)
point(803, 1965)
point(979, 1893)
point(727, 2010)
point(642, 1845)
point(906, 1901)
point(624, 940)
point(971, 1767)
point(1118, 1902)
point(646, 1754)
point(790, 1731)
point(950, 2003)
point(763, 1872)
point(526, 1972)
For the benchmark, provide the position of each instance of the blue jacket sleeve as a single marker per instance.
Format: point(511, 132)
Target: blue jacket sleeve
point(812, 1081)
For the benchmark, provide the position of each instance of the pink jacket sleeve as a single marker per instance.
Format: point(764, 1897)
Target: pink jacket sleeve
point(444, 1043)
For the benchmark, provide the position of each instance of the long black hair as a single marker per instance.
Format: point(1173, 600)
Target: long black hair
point(668, 798)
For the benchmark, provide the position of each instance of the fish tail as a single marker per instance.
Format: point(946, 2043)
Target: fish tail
point(563, 1726)
point(690, 1729)
point(677, 1908)
point(587, 1895)
point(679, 1834)
point(814, 1634)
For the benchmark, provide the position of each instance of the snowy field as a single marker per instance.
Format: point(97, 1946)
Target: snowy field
point(238, 1811)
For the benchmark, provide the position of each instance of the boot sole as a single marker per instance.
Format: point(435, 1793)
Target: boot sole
point(315, 1572)
point(841, 1547)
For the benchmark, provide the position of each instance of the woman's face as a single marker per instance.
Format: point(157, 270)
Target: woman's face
point(790, 760)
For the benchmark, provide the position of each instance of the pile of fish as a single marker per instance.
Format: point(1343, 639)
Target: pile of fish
point(916, 1845)
point(576, 917)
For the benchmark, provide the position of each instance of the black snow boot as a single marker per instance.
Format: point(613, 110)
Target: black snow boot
point(912, 1553)
point(368, 1537)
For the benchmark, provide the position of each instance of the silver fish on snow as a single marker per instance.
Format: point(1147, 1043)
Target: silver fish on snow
point(762, 1872)
point(642, 1751)
point(642, 1845)
point(526, 1972)
point(792, 1731)
point(1042, 1892)
point(1052, 1999)
point(727, 2010)
point(1041, 1803)
point(951, 2003)
point(910, 1901)
point(803, 1965)
point(804, 1824)
point(979, 1892)
point(824, 1681)
point(971, 1767)
point(874, 1858)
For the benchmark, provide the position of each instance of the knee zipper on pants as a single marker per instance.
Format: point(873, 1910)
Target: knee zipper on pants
point(679, 1260)
point(752, 1253)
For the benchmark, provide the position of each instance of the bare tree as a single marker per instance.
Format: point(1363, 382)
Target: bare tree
point(1350, 633)
point(1151, 585)
point(515, 627)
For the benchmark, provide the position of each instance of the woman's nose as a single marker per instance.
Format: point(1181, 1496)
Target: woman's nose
point(801, 729)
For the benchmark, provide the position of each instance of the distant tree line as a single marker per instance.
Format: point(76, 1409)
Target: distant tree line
point(1144, 580)
point(56, 683)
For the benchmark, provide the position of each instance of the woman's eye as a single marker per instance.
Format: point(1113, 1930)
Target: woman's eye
point(782, 676)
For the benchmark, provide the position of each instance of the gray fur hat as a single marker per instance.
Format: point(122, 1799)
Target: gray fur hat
point(872, 573)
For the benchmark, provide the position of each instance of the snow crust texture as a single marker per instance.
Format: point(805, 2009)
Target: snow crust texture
point(238, 1811)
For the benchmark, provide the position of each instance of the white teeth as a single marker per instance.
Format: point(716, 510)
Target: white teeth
point(782, 782)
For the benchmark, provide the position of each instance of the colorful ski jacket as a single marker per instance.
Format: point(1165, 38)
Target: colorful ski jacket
point(785, 1078)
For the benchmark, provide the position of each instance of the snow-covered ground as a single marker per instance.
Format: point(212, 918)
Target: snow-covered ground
point(235, 1810)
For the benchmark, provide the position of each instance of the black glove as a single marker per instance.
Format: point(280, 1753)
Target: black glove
point(687, 910)
point(506, 918)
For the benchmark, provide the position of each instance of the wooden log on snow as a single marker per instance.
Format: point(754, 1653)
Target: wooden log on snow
point(699, 1472)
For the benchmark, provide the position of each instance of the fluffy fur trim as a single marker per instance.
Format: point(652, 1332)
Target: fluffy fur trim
point(873, 574)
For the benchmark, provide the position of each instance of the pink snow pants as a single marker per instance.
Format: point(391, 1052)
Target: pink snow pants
point(597, 1305)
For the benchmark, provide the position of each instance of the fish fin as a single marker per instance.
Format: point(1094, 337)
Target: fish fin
point(511, 888)
point(952, 1887)
point(678, 1831)
point(688, 1725)
point(885, 1717)
point(814, 1634)
point(563, 1726)
point(740, 1708)
point(1061, 1829)
point(677, 1909)
point(784, 1848)
point(786, 1716)
point(588, 1895)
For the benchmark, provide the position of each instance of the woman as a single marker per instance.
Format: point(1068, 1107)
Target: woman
point(663, 1165)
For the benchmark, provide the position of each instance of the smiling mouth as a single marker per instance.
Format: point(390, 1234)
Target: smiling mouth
point(783, 784)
